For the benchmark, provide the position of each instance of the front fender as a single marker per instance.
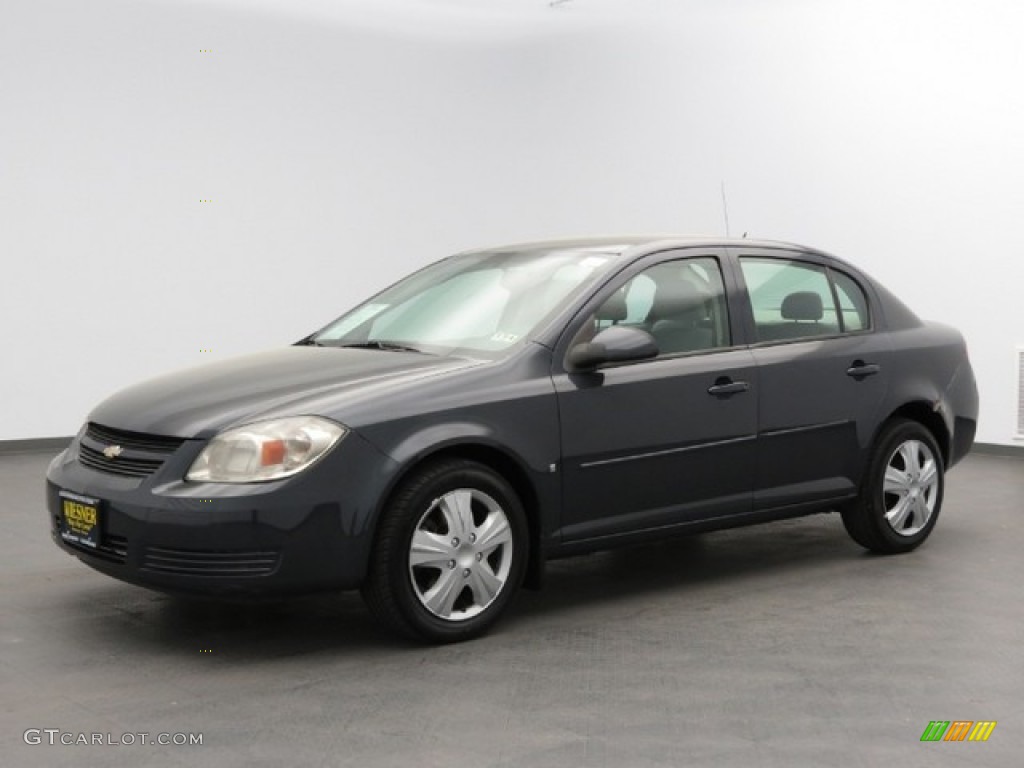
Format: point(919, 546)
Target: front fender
point(517, 438)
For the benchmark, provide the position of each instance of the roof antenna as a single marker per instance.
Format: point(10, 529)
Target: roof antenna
point(725, 210)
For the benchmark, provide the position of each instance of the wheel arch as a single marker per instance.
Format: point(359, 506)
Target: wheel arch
point(925, 414)
point(502, 462)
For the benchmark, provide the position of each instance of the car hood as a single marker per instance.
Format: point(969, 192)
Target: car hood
point(199, 401)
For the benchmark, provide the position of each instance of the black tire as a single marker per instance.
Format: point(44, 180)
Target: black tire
point(909, 450)
point(434, 499)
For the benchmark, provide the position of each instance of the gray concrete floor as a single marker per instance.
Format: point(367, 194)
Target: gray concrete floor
point(781, 645)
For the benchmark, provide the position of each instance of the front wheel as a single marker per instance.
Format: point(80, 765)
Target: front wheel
point(450, 553)
point(901, 494)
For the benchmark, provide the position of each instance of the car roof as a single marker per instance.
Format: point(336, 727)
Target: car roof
point(636, 245)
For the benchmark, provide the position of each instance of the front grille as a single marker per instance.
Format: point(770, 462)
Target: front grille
point(141, 454)
point(134, 440)
point(122, 465)
point(187, 562)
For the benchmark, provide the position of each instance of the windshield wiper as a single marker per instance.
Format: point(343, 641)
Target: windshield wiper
point(390, 346)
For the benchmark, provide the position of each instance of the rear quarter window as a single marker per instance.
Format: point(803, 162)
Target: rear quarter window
point(853, 303)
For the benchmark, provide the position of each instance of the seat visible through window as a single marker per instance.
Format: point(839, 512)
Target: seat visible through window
point(789, 299)
point(681, 303)
point(677, 318)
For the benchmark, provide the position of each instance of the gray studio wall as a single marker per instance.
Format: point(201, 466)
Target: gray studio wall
point(342, 144)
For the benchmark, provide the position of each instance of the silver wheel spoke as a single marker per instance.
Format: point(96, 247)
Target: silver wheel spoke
point(897, 516)
point(484, 583)
point(910, 459)
point(896, 480)
point(493, 532)
point(429, 550)
point(458, 513)
point(921, 511)
point(441, 597)
point(929, 474)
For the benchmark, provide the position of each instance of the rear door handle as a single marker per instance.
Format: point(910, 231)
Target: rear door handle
point(724, 386)
point(860, 369)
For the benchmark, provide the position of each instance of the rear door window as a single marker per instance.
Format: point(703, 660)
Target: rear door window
point(789, 299)
point(792, 299)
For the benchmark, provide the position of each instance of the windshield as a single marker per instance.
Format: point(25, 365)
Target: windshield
point(476, 303)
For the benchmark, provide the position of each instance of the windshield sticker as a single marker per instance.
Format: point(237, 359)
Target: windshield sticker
point(507, 338)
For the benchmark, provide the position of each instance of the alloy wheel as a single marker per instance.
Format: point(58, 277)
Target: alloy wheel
point(910, 488)
point(460, 555)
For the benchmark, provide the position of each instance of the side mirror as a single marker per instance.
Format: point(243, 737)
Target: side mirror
point(618, 344)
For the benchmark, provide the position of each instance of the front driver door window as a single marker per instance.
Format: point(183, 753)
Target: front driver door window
point(680, 303)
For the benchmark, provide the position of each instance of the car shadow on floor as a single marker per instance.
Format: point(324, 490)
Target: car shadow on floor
point(693, 563)
point(139, 621)
point(135, 620)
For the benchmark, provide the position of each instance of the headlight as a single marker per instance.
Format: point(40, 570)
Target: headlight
point(265, 450)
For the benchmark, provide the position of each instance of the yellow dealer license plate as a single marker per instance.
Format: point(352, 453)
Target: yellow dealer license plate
point(79, 519)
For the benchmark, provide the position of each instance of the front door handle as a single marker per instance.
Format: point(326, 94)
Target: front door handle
point(724, 386)
point(860, 369)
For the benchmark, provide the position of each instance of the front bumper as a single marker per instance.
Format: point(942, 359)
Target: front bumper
point(303, 534)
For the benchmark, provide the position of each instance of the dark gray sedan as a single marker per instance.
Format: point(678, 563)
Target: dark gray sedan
point(438, 443)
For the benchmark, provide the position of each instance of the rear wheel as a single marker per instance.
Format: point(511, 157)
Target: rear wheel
point(901, 494)
point(449, 554)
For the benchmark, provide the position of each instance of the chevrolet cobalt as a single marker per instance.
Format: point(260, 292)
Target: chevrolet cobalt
point(437, 444)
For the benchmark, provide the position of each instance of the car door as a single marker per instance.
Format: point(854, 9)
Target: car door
point(822, 374)
point(667, 440)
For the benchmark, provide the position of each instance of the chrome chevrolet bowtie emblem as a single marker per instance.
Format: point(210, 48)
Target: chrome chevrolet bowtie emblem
point(112, 451)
